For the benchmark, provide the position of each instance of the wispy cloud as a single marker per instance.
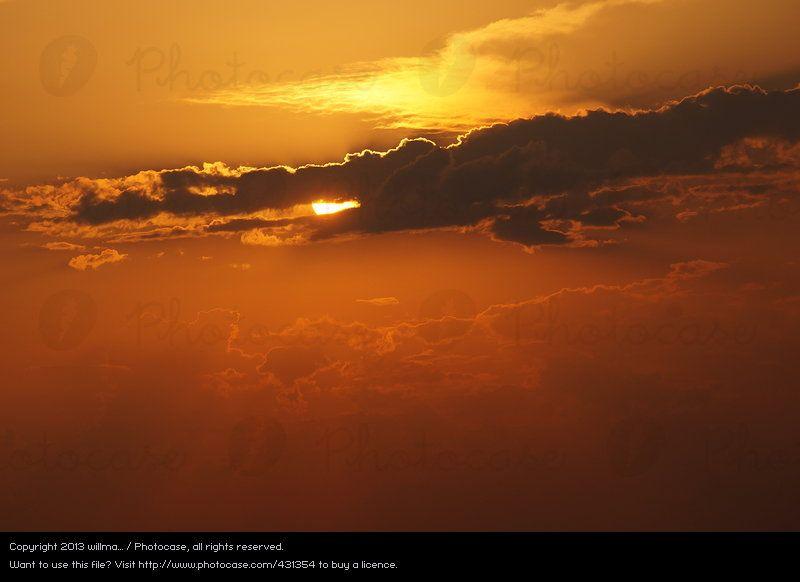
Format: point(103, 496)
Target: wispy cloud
point(62, 246)
point(468, 81)
point(379, 301)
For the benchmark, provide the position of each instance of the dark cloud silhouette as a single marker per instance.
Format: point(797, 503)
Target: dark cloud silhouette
point(514, 176)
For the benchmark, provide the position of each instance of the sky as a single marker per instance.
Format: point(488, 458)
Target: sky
point(360, 266)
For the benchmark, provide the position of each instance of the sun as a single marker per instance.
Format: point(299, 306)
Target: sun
point(322, 207)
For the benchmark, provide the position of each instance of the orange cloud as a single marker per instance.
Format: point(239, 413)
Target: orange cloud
point(91, 262)
point(379, 301)
point(62, 246)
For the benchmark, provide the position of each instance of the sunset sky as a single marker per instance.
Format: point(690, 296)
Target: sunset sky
point(509, 265)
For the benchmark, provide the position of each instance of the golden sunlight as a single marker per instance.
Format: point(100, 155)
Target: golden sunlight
point(334, 207)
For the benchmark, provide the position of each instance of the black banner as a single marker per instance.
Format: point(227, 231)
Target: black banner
point(51, 554)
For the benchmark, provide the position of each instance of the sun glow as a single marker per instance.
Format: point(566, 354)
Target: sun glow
point(333, 207)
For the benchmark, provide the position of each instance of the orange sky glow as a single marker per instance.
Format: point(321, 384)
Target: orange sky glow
point(358, 265)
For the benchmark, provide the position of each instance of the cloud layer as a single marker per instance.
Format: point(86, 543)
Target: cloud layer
point(548, 180)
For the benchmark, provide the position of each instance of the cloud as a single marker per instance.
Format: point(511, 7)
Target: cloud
point(91, 262)
point(568, 57)
point(379, 301)
point(574, 386)
point(548, 180)
point(452, 87)
point(62, 246)
point(572, 343)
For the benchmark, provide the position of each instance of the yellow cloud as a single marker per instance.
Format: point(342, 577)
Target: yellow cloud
point(467, 82)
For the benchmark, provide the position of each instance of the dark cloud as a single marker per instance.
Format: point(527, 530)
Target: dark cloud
point(563, 168)
point(564, 159)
